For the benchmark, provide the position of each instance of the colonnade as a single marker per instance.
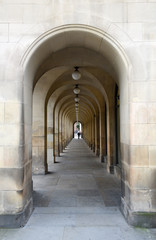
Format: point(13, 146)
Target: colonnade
point(54, 114)
point(38, 113)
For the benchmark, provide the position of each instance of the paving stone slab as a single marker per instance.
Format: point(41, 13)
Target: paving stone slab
point(73, 202)
point(92, 233)
point(35, 233)
point(49, 220)
point(75, 210)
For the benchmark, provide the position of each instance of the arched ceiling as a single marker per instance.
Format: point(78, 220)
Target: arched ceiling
point(53, 79)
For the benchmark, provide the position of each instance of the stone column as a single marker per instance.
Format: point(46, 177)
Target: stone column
point(55, 136)
point(138, 154)
point(90, 133)
point(38, 139)
point(49, 138)
point(15, 153)
point(93, 136)
point(60, 133)
point(102, 135)
point(111, 138)
point(97, 137)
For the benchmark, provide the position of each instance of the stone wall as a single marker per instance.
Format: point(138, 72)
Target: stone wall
point(128, 42)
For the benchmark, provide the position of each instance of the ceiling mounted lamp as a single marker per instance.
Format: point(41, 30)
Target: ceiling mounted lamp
point(76, 104)
point(77, 99)
point(76, 89)
point(76, 75)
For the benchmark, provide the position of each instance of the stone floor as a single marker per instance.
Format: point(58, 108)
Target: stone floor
point(77, 200)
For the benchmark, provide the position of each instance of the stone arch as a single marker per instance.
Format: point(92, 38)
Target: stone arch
point(120, 79)
point(28, 62)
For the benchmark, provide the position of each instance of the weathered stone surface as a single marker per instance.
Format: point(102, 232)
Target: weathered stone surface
point(138, 219)
point(153, 199)
point(18, 219)
point(139, 156)
point(11, 179)
point(11, 156)
point(2, 113)
point(111, 42)
point(152, 155)
point(10, 135)
point(13, 202)
point(38, 141)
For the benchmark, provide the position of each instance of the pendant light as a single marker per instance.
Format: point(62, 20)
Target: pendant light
point(76, 75)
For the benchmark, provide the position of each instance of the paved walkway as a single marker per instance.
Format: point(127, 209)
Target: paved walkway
point(77, 200)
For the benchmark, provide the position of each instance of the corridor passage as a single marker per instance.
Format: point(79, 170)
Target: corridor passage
point(77, 180)
point(77, 200)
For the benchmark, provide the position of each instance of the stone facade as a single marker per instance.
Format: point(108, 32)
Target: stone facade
point(113, 43)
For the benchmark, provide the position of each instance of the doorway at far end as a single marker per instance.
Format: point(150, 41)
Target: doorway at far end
point(77, 130)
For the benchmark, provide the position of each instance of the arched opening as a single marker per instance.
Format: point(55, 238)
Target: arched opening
point(77, 131)
point(47, 69)
point(53, 97)
point(54, 107)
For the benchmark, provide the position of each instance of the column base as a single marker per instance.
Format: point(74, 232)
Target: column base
point(103, 158)
point(93, 148)
point(138, 219)
point(40, 171)
point(97, 152)
point(117, 171)
point(54, 158)
point(17, 220)
point(110, 168)
point(46, 168)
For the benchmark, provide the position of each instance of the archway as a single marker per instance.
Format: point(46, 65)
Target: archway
point(112, 66)
point(98, 85)
point(77, 129)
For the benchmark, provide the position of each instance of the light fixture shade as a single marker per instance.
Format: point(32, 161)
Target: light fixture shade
point(76, 75)
point(77, 99)
point(76, 90)
point(76, 104)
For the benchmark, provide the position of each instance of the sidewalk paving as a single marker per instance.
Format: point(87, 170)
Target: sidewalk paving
point(77, 200)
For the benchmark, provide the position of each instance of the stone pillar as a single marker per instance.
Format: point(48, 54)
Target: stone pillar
point(90, 133)
point(93, 134)
point(49, 139)
point(63, 132)
point(59, 136)
point(97, 137)
point(102, 135)
point(138, 155)
point(38, 135)
point(111, 138)
point(15, 154)
point(55, 137)
point(86, 130)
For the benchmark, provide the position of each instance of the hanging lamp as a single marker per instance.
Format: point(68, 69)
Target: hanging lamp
point(76, 90)
point(76, 75)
